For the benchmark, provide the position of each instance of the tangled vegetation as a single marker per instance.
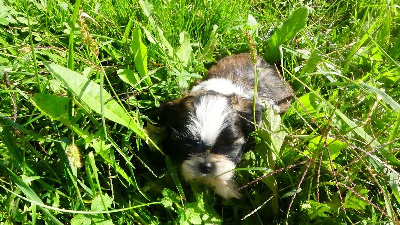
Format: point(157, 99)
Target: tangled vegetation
point(82, 82)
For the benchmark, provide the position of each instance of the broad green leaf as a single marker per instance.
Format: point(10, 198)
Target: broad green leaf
point(308, 104)
point(129, 77)
point(100, 147)
point(312, 62)
point(149, 36)
point(334, 146)
point(183, 77)
point(185, 50)
point(102, 221)
point(315, 209)
point(89, 93)
point(101, 203)
point(80, 219)
point(192, 216)
point(394, 50)
point(140, 54)
point(97, 203)
point(29, 179)
point(169, 198)
point(352, 201)
point(271, 137)
point(128, 28)
point(200, 213)
point(275, 126)
point(292, 192)
point(4, 22)
point(147, 8)
point(252, 23)
point(53, 106)
point(285, 33)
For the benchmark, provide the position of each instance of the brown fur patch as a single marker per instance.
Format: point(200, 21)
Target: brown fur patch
point(240, 70)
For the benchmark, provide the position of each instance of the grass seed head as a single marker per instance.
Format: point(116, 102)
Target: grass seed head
point(252, 47)
point(86, 36)
point(74, 155)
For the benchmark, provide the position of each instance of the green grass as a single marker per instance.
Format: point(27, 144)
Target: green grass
point(81, 147)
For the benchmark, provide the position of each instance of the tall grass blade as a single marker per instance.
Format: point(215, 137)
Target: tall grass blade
point(38, 83)
point(394, 181)
point(29, 193)
point(389, 100)
point(373, 142)
point(76, 211)
point(71, 34)
point(174, 174)
point(358, 45)
point(161, 40)
point(395, 131)
point(209, 48)
point(140, 55)
point(28, 133)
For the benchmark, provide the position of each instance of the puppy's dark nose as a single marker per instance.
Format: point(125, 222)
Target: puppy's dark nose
point(205, 168)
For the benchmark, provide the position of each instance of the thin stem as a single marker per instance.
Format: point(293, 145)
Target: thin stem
point(39, 86)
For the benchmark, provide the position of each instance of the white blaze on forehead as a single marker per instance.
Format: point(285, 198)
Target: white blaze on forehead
point(208, 118)
point(223, 86)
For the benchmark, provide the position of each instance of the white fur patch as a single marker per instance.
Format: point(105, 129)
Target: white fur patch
point(271, 104)
point(208, 118)
point(227, 189)
point(220, 178)
point(222, 86)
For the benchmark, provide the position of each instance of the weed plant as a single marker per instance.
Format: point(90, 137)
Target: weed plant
point(82, 81)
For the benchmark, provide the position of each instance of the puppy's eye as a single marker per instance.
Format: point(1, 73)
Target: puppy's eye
point(195, 146)
point(193, 143)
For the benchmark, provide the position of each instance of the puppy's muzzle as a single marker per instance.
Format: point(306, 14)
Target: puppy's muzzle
point(212, 169)
point(206, 167)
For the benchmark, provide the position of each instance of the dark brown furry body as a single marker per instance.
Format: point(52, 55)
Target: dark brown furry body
point(240, 69)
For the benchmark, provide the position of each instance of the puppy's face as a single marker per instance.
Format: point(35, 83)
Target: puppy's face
point(207, 134)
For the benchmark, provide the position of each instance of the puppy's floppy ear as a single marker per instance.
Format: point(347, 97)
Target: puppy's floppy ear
point(169, 112)
point(244, 108)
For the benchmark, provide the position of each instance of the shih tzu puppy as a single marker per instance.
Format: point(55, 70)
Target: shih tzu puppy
point(207, 129)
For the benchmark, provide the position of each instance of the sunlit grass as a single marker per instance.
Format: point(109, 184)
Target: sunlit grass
point(70, 156)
